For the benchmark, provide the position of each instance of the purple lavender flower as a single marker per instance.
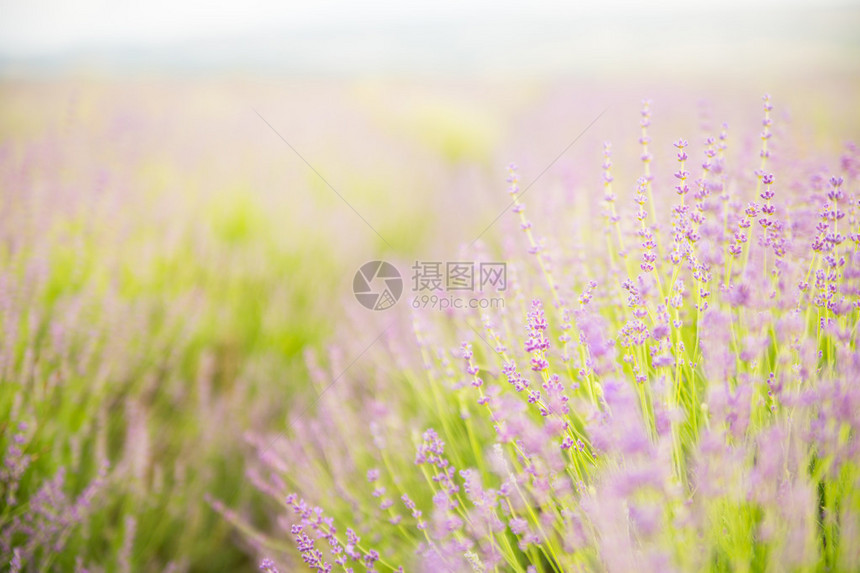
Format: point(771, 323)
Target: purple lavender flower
point(696, 377)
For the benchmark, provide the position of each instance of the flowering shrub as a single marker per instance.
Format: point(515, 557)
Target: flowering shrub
point(681, 394)
point(131, 360)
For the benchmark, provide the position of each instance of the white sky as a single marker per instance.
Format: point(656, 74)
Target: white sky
point(30, 27)
point(323, 31)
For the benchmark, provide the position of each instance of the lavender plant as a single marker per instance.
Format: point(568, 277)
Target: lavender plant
point(682, 395)
point(134, 350)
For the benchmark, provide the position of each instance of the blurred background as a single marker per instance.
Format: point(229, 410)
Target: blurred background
point(186, 189)
point(427, 39)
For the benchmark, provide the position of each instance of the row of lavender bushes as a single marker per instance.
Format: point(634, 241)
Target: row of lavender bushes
point(673, 386)
point(164, 261)
point(149, 315)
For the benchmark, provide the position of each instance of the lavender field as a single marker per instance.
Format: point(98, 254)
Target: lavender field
point(401, 304)
point(666, 381)
point(670, 385)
